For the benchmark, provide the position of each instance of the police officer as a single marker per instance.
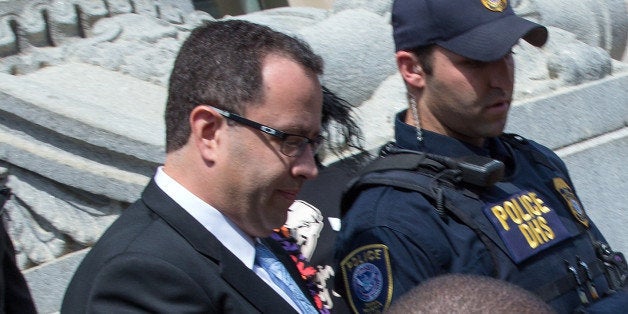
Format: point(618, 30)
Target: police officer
point(529, 228)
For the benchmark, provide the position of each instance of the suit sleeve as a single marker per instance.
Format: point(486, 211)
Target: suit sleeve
point(15, 295)
point(141, 283)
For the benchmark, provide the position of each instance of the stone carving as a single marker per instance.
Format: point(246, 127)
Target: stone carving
point(596, 23)
point(41, 215)
point(58, 160)
point(70, 29)
point(82, 90)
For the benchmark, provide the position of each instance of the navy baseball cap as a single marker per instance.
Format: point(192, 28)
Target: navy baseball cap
point(483, 30)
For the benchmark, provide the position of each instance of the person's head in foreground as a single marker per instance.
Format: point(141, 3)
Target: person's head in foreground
point(462, 293)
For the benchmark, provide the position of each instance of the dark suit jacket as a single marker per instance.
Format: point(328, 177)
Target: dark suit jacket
point(156, 258)
point(15, 296)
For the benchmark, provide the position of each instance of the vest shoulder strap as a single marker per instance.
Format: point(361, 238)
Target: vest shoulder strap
point(407, 170)
point(418, 171)
point(520, 143)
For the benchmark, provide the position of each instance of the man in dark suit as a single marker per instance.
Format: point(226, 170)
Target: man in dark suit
point(242, 126)
point(15, 296)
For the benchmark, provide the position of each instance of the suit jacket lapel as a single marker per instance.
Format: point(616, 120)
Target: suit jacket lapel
point(252, 287)
point(233, 271)
point(179, 219)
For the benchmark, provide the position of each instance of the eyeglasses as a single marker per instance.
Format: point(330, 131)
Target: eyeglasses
point(292, 145)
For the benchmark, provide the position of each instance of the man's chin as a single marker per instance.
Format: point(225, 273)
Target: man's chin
point(496, 129)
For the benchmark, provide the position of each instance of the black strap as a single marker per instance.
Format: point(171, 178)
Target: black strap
point(519, 142)
point(403, 161)
point(560, 286)
point(464, 174)
point(390, 170)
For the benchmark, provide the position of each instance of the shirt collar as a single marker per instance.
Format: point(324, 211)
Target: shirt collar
point(232, 237)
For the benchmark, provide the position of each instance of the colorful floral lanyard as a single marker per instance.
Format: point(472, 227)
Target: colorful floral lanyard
point(308, 272)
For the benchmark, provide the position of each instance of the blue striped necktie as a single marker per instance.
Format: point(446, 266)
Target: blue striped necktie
point(280, 276)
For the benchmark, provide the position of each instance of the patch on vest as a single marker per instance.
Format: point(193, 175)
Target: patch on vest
point(367, 277)
point(571, 200)
point(526, 225)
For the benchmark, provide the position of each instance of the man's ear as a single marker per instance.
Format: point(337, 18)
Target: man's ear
point(205, 125)
point(410, 68)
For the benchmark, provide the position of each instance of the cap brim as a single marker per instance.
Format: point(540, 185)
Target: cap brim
point(492, 41)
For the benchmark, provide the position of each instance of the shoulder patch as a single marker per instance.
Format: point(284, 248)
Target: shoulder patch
point(571, 200)
point(367, 277)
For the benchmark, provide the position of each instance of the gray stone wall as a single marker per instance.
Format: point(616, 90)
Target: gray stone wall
point(82, 93)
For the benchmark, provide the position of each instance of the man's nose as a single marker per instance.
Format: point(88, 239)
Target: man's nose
point(305, 164)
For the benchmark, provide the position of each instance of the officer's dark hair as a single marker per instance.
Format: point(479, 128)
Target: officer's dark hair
point(220, 64)
point(425, 56)
point(464, 293)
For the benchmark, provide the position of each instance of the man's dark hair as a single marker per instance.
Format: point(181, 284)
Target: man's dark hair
point(425, 56)
point(220, 64)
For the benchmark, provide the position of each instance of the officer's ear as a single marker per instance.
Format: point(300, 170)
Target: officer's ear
point(410, 68)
